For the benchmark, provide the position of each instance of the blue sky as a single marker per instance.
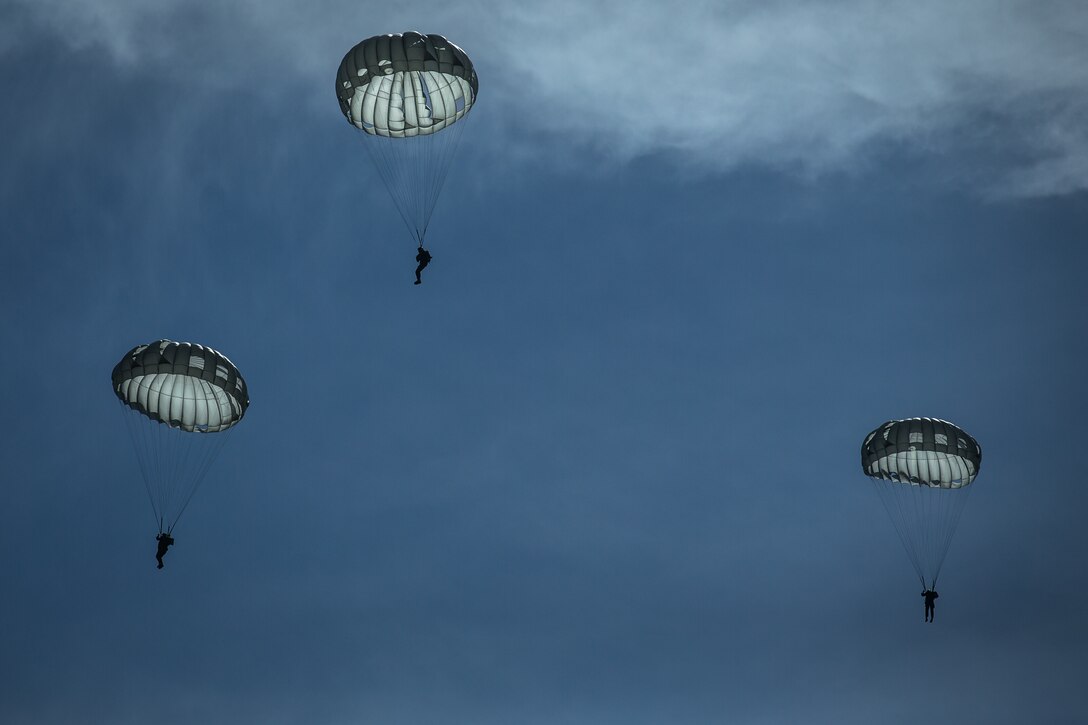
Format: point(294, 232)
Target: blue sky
point(602, 467)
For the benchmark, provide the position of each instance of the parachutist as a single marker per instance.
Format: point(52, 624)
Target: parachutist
point(165, 541)
point(424, 258)
point(930, 595)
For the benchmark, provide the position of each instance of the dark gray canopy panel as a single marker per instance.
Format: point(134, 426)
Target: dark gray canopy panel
point(182, 384)
point(922, 452)
point(405, 84)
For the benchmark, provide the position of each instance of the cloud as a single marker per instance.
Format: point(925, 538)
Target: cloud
point(806, 88)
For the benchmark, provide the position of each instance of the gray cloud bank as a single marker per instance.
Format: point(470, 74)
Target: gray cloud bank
point(997, 87)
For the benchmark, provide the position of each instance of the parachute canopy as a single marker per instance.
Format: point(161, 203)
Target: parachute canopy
point(408, 92)
point(174, 393)
point(182, 384)
point(922, 468)
point(921, 452)
point(405, 84)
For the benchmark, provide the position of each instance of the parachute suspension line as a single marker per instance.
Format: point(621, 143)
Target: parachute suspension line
point(925, 519)
point(173, 463)
point(445, 153)
point(898, 517)
point(922, 501)
point(387, 171)
point(424, 168)
point(414, 170)
point(950, 529)
point(163, 456)
point(176, 463)
point(142, 454)
point(193, 455)
point(915, 499)
point(421, 148)
point(211, 453)
point(941, 507)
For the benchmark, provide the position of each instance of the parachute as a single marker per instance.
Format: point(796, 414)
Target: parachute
point(179, 401)
point(409, 94)
point(923, 469)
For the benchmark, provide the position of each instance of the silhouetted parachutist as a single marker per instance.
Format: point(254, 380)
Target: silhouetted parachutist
point(424, 258)
point(930, 596)
point(165, 541)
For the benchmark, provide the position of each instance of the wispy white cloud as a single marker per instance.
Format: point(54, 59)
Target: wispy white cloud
point(805, 87)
